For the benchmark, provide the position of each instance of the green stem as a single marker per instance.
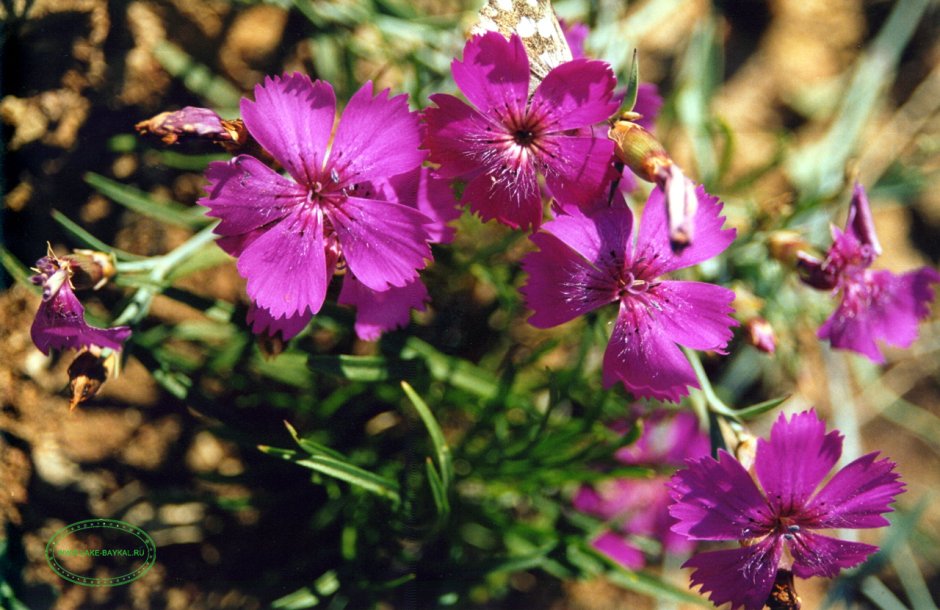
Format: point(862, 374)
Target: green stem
point(714, 403)
point(160, 268)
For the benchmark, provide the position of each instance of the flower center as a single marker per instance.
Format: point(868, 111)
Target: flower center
point(524, 137)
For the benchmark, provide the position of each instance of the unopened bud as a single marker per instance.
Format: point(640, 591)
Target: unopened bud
point(681, 205)
point(638, 149)
point(87, 374)
point(785, 245)
point(761, 335)
point(90, 268)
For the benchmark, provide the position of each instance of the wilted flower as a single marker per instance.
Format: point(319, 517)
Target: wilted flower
point(589, 260)
point(501, 143)
point(639, 507)
point(60, 320)
point(340, 207)
point(876, 304)
point(775, 522)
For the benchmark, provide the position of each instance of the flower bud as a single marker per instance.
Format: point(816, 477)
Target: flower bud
point(90, 269)
point(638, 149)
point(761, 335)
point(785, 246)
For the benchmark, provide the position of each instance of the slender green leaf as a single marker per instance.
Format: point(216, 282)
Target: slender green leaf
point(301, 599)
point(363, 368)
point(455, 371)
point(196, 77)
point(438, 491)
point(444, 460)
point(881, 595)
point(87, 239)
point(165, 211)
point(341, 470)
point(313, 447)
point(761, 407)
point(647, 584)
point(17, 270)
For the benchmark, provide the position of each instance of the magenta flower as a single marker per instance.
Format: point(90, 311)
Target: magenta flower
point(503, 142)
point(338, 207)
point(640, 507)
point(587, 260)
point(60, 320)
point(876, 304)
point(718, 500)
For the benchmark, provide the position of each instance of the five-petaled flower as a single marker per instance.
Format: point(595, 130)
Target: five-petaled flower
point(350, 201)
point(775, 523)
point(876, 304)
point(503, 142)
point(587, 260)
point(60, 320)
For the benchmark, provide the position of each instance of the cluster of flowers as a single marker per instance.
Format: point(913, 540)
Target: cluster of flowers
point(308, 197)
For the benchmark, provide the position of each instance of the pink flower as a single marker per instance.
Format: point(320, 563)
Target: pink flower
point(718, 500)
point(501, 143)
point(341, 205)
point(587, 260)
point(876, 304)
point(60, 320)
point(639, 507)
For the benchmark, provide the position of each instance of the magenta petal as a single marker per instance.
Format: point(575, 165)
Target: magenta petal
point(431, 196)
point(562, 285)
point(514, 201)
point(617, 548)
point(718, 500)
point(642, 356)
point(292, 118)
point(860, 223)
point(648, 103)
point(710, 239)
point(816, 555)
point(575, 94)
point(377, 136)
point(696, 314)
point(263, 323)
point(384, 242)
point(453, 136)
point(579, 169)
point(494, 73)
point(796, 458)
point(880, 306)
point(743, 577)
point(856, 496)
point(247, 194)
point(286, 266)
point(377, 312)
point(60, 324)
point(602, 237)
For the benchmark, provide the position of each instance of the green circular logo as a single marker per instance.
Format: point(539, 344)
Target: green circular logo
point(101, 553)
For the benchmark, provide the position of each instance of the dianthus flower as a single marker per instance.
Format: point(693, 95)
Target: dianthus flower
point(775, 522)
point(587, 260)
point(60, 320)
point(876, 304)
point(640, 507)
point(501, 143)
point(339, 207)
